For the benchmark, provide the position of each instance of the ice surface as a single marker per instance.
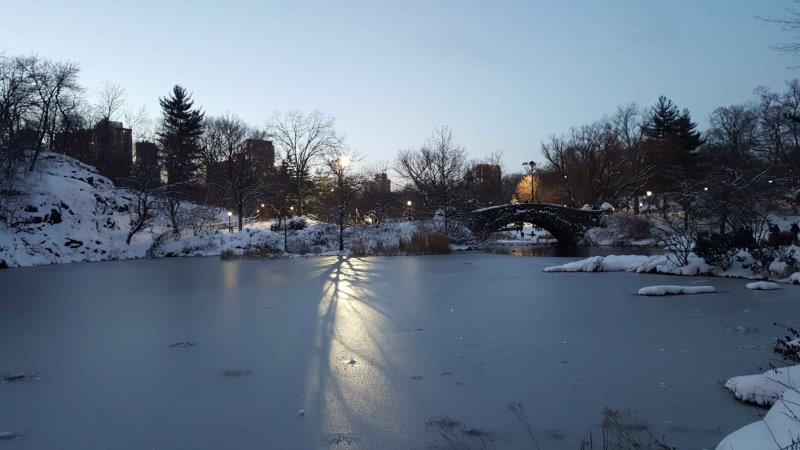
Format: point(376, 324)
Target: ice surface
point(564, 344)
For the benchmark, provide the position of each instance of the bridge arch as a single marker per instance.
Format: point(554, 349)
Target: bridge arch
point(567, 225)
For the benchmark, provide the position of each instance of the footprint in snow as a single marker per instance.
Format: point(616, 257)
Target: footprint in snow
point(417, 377)
point(351, 362)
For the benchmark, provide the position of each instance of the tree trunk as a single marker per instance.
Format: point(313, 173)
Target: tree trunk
point(240, 212)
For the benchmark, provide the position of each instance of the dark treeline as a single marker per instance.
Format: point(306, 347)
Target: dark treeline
point(298, 164)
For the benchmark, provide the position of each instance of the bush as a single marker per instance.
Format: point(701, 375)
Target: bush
point(358, 249)
point(787, 346)
point(777, 262)
point(227, 255)
point(293, 224)
point(433, 243)
point(261, 252)
point(630, 226)
point(716, 249)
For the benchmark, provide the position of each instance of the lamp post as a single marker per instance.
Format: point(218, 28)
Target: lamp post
point(531, 168)
point(408, 209)
point(230, 228)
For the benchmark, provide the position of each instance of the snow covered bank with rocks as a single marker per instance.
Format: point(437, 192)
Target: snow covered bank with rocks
point(780, 427)
point(634, 263)
point(661, 264)
point(70, 213)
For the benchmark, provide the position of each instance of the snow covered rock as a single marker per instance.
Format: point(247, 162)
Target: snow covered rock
point(762, 286)
point(764, 389)
point(676, 290)
point(606, 207)
point(611, 263)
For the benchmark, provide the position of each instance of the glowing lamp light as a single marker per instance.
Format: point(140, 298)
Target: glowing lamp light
point(705, 188)
point(408, 203)
point(230, 213)
point(649, 193)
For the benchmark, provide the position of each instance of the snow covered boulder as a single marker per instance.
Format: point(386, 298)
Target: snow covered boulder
point(795, 278)
point(764, 389)
point(762, 286)
point(676, 290)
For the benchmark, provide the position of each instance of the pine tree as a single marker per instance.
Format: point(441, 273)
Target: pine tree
point(181, 128)
point(672, 140)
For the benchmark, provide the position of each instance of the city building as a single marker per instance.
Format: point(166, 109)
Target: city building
point(485, 183)
point(382, 182)
point(108, 146)
point(147, 159)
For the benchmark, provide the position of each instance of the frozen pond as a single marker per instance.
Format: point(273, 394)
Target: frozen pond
point(371, 349)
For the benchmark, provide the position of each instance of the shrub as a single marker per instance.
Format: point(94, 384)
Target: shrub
point(788, 347)
point(358, 249)
point(631, 226)
point(716, 249)
point(227, 255)
point(261, 251)
point(777, 262)
point(295, 223)
point(433, 243)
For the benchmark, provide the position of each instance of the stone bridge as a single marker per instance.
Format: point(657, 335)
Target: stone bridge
point(565, 224)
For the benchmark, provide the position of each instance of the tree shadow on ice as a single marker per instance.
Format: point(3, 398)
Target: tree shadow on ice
point(349, 364)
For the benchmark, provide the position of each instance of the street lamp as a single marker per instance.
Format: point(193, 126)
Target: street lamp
point(649, 193)
point(408, 203)
point(230, 228)
point(531, 168)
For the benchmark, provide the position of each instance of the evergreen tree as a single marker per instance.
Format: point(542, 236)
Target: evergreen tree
point(181, 128)
point(672, 139)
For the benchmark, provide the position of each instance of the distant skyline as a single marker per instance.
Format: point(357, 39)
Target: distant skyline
point(504, 76)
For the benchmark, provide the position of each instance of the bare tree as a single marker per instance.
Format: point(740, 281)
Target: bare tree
point(304, 140)
point(229, 161)
point(111, 101)
point(143, 187)
point(437, 171)
point(600, 162)
point(54, 85)
point(346, 182)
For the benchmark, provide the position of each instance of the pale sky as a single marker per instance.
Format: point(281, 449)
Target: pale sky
point(503, 75)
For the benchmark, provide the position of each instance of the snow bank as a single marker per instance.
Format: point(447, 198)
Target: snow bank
point(611, 263)
point(634, 263)
point(72, 214)
point(676, 290)
point(780, 428)
point(766, 388)
point(762, 286)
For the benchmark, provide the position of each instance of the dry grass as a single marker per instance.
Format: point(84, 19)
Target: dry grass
point(432, 243)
